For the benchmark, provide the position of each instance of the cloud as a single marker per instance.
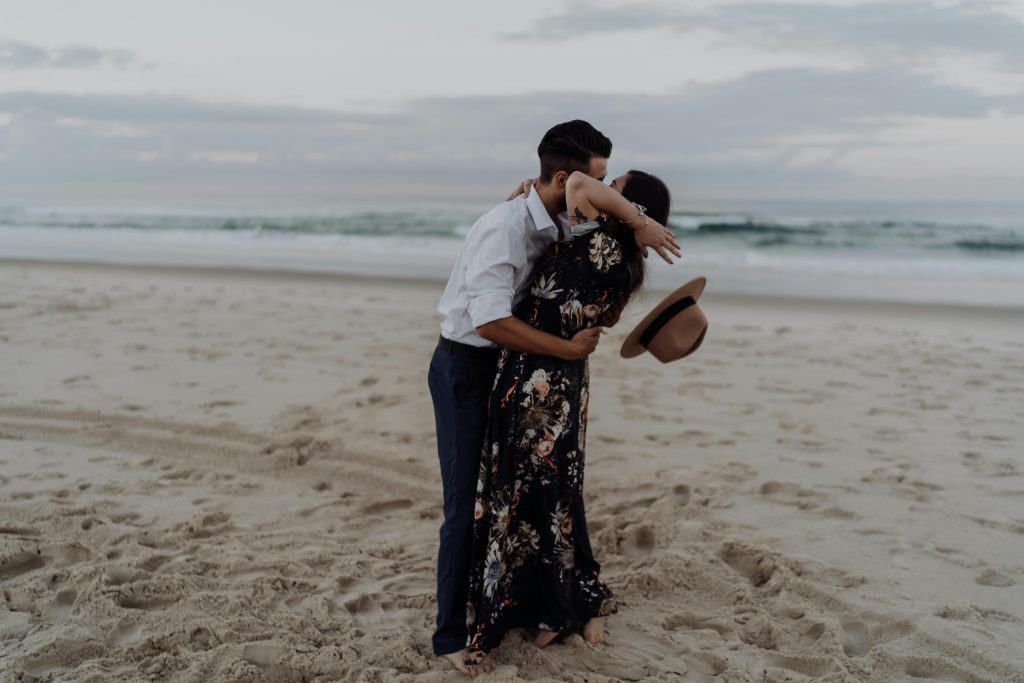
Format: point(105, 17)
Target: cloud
point(909, 29)
point(153, 109)
point(783, 130)
point(19, 55)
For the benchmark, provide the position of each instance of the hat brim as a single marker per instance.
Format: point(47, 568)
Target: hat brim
point(632, 346)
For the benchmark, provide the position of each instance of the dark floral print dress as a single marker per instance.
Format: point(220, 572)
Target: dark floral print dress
point(532, 560)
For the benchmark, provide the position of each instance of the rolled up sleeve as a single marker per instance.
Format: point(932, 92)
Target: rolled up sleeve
point(497, 253)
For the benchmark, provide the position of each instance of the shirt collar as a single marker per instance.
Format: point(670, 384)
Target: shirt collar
point(539, 213)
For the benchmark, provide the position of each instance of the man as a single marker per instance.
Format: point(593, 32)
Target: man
point(491, 275)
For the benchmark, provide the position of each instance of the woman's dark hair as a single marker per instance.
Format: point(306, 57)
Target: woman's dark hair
point(650, 192)
point(569, 147)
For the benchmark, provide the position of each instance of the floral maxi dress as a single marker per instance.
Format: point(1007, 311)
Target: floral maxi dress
point(532, 564)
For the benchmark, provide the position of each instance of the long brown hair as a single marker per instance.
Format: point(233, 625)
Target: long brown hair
point(650, 192)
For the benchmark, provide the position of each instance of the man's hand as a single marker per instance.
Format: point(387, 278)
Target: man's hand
point(584, 342)
point(523, 188)
point(658, 237)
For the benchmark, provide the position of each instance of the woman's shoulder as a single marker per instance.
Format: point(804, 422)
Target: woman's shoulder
point(582, 226)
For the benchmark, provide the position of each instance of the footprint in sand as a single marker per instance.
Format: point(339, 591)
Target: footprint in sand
point(60, 608)
point(118, 574)
point(979, 464)
point(295, 597)
point(994, 578)
point(748, 561)
point(815, 667)
point(220, 404)
point(787, 493)
point(381, 400)
point(154, 562)
point(638, 541)
point(268, 658)
point(124, 517)
point(298, 451)
point(856, 639)
point(838, 513)
point(805, 445)
point(386, 506)
point(64, 554)
point(682, 493)
point(156, 602)
point(412, 583)
point(632, 505)
point(378, 610)
point(124, 634)
point(934, 669)
point(689, 620)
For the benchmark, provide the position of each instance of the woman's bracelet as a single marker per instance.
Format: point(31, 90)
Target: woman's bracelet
point(641, 209)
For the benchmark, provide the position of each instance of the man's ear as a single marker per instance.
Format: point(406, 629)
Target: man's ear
point(561, 178)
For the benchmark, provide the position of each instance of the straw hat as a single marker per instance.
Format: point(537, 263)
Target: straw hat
point(673, 329)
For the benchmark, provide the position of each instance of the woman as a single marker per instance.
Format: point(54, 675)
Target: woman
point(532, 560)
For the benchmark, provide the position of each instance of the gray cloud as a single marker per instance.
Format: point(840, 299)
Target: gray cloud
point(19, 55)
point(160, 110)
point(910, 29)
point(736, 137)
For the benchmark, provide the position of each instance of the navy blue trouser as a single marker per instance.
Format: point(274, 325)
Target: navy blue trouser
point(460, 386)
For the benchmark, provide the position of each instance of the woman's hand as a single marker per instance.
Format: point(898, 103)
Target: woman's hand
point(592, 196)
point(522, 189)
point(657, 237)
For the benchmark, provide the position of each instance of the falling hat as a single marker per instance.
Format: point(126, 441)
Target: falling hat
point(673, 329)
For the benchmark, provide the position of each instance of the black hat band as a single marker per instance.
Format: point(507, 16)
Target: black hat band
point(670, 312)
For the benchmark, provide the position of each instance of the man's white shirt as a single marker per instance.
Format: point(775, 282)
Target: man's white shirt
point(495, 267)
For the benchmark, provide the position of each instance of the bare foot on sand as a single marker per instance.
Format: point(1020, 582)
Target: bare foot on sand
point(544, 638)
point(472, 670)
point(593, 630)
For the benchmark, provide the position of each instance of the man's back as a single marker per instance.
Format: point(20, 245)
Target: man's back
point(492, 271)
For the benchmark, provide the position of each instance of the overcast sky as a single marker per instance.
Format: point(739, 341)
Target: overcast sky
point(895, 99)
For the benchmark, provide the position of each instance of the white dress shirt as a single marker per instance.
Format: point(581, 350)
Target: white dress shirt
point(495, 267)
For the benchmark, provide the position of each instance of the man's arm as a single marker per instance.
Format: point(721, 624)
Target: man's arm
point(518, 336)
point(498, 251)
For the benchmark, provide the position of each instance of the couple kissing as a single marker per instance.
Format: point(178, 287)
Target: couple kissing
point(538, 279)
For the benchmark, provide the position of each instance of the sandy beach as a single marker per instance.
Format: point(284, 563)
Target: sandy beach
point(228, 475)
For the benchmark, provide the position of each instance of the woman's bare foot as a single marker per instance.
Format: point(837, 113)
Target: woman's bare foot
point(472, 670)
point(544, 638)
point(593, 630)
point(488, 664)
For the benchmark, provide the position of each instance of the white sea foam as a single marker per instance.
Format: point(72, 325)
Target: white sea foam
point(860, 251)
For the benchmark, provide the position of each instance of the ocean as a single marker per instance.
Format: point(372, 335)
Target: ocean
point(941, 252)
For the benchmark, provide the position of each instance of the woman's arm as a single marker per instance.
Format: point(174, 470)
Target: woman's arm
point(587, 197)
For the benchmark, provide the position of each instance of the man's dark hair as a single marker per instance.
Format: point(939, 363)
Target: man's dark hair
point(569, 147)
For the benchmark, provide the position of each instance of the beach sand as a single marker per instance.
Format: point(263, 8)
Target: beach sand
point(232, 476)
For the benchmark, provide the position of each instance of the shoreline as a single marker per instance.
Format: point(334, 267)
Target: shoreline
point(989, 313)
point(734, 267)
